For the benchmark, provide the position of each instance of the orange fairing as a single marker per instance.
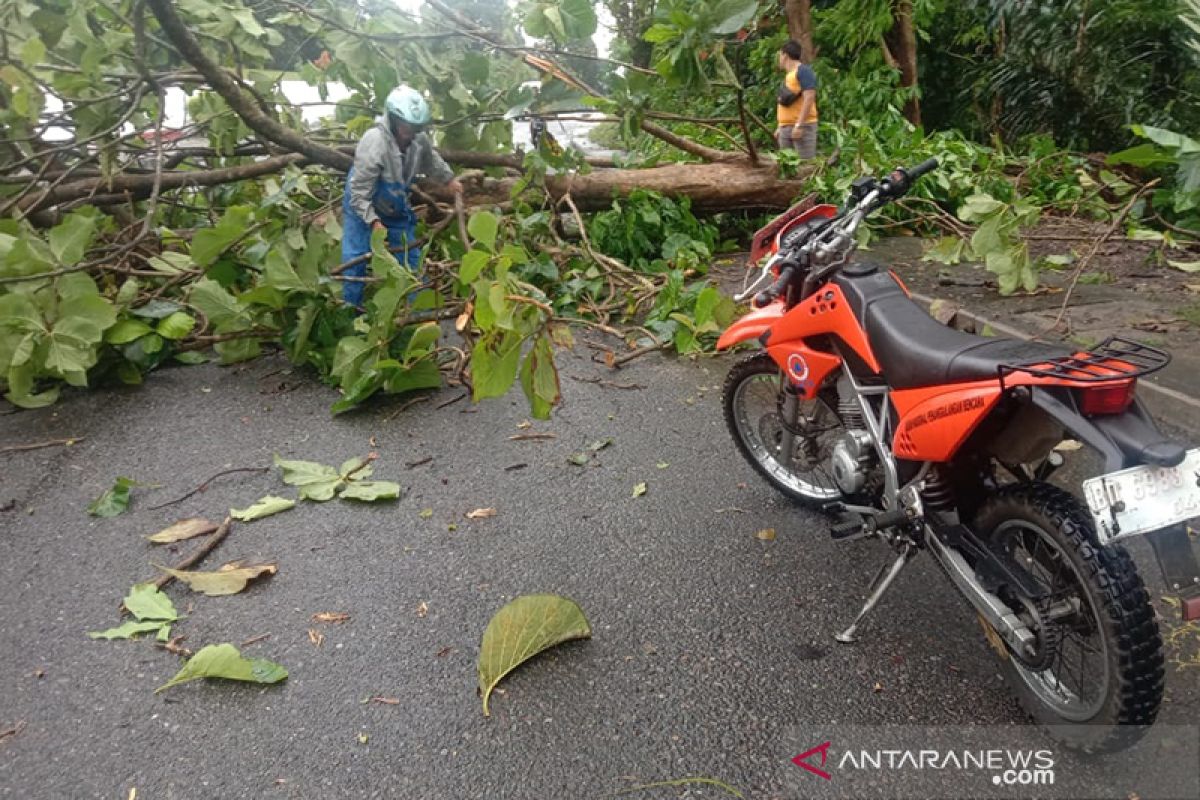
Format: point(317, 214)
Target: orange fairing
point(825, 312)
point(936, 420)
point(805, 368)
point(752, 325)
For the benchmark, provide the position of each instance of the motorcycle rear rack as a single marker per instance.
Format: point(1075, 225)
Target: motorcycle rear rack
point(1114, 359)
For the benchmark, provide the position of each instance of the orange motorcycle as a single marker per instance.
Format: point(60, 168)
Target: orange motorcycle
point(927, 438)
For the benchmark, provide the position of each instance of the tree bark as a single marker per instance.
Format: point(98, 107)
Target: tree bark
point(800, 25)
point(239, 99)
point(710, 187)
point(902, 43)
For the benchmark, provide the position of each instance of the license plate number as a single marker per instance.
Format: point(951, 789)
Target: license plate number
point(1143, 499)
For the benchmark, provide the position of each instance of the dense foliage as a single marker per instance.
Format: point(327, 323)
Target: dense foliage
point(125, 246)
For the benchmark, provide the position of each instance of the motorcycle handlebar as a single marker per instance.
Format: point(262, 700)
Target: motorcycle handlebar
point(901, 180)
point(776, 289)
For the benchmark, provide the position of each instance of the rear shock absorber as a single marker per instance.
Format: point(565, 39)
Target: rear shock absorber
point(938, 494)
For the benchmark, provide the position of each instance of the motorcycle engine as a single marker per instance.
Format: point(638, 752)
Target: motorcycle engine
point(852, 458)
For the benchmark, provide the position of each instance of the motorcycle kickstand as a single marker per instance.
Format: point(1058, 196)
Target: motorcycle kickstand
point(878, 588)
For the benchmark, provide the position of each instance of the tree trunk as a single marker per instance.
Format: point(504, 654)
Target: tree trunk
point(902, 43)
point(710, 187)
point(800, 25)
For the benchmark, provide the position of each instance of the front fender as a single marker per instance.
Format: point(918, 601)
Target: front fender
point(751, 326)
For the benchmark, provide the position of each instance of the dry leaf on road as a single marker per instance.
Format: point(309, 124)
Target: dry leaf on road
point(316, 637)
point(231, 578)
point(183, 529)
point(481, 513)
point(331, 616)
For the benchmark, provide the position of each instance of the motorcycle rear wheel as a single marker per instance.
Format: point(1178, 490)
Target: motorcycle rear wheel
point(1111, 635)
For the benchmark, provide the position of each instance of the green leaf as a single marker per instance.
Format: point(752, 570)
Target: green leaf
point(988, 238)
point(224, 661)
point(494, 363)
point(126, 331)
point(978, 207)
point(191, 358)
point(483, 227)
point(176, 326)
point(147, 602)
point(316, 481)
point(85, 317)
point(740, 14)
point(18, 312)
point(130, 629)
point(424, 337)
point(263, 508)
point(114, 501)
point(660, 33)
point(521, 630)
point(69, 239)
point(370, 491)
point(215, 303)
point(1186, 266)
point(577, 19)
point(539, 378)
point(279, 274)
point(947, 250)
point(472, 264)
point(209, 243)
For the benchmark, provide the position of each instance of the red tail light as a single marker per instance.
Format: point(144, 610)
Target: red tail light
point(1107, 399)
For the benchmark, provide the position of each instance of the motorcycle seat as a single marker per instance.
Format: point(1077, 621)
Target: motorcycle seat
point(915, 350)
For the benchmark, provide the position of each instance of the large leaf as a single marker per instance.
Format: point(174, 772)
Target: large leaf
point(126, 331)
point(472, 264)
point(184, 529)
point(209, 243)
point(494, 363)
point(147, 602)
point(224, 661)
point(265, 507)
point(483, 227)
point(69, 239)
point(230, 578)
point(521, 630)
point(114, 501)
point(218, 306)
point(733, 15)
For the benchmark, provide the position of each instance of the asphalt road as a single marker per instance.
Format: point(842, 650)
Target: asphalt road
point(710, 645)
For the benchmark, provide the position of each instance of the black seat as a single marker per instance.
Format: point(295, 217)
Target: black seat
point(914, 350)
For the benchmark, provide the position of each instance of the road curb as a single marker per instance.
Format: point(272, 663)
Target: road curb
point(1169, 405)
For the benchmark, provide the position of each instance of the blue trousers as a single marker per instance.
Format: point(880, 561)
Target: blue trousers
point(356, 235)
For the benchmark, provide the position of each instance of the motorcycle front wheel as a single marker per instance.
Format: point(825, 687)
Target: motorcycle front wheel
point(1098, 673)
point(755, 407)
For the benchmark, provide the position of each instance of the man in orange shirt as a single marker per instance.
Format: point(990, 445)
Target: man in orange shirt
point(796, 112)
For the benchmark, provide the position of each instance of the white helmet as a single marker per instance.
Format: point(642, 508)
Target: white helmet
point(407, 104)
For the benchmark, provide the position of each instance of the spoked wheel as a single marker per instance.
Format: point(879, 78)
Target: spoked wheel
point(1098, 662)
point(755, 411)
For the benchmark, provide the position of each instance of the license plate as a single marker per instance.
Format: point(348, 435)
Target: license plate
point(1143, 499)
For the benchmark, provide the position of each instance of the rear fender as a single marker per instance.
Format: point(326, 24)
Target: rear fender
point(1129, 440)
point(1123, 440)
point(752, 326)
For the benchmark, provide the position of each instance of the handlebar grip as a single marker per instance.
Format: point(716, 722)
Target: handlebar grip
point(767, 295)
point(920, 169)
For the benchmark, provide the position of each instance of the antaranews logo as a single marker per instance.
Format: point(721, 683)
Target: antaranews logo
point(1008, 767)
